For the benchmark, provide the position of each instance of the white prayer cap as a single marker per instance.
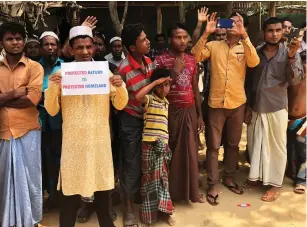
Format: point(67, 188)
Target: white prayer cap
point(116, 38)
point(31, 40)
point(80, 31)
point(49, 33)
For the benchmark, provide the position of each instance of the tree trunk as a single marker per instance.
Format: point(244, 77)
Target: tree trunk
point(272, 9)
point(181, 12)
point(118, 26)
point(159, 19)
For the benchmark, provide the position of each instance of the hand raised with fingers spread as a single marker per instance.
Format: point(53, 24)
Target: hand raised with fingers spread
point(240, 25)
point(90, 21)
point(211, 23)
point(202, 14)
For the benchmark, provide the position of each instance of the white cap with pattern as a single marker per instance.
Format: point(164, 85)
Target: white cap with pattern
point(49, 33)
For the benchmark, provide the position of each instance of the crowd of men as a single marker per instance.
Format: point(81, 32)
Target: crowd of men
point(145, 133)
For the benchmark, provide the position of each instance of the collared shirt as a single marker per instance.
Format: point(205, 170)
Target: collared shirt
point(27, 73)
point(135, 79)
point(228, 68)
point(181, 92)
point(48, 122)
point(154, 52)
point(49, 71)
point(267, 84)
point(111, 59)
point(155, 119)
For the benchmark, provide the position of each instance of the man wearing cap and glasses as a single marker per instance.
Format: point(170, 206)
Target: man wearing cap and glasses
point(51, 126)
point(86, 163)
point(116, 56)
point(32, 49)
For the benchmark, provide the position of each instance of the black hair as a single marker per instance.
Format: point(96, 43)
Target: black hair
point(303, 55)
point(174, 27)
point(159, 35)
point(71, 41)
point(160, 73)
point(287, 19)
point(57, 41)
point(12, 27)
point(101, 36)
point(130, 34)
point(271, 20)
point(245, 18)
point(303, 25)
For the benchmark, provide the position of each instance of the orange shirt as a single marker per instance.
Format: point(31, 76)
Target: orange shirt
point(228, 68)
point(27, 73)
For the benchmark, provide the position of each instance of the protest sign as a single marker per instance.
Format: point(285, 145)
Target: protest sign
point(85, 78)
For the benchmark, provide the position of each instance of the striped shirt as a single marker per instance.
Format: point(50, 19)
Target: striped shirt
point(135, 79)
point(181, 92)
point(155, 119)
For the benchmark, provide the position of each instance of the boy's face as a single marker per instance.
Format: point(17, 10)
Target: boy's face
point(162, 90)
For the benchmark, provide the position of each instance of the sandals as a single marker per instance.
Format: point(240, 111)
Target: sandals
point(84, 213)
point(300, 189)
point(130, 220)
point(215, 199)
point(234, 188)
point(270, 196)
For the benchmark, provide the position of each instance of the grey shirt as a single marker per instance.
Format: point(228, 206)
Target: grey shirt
point(267, 83)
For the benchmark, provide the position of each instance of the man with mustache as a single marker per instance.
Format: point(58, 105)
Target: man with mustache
point(267, 116)
point(228, 61)
point(86, 162)
point(51, 126)
point(20, 137)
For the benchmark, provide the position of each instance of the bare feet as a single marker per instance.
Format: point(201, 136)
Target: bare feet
point(169, 219)
point(271, 195)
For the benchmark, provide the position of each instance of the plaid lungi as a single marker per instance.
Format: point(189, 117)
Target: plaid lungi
point(156, 157)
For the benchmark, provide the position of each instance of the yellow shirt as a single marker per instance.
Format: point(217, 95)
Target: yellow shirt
point(228, 68)
point(86, 161)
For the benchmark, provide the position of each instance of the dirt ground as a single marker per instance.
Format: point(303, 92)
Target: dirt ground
point(288, 211)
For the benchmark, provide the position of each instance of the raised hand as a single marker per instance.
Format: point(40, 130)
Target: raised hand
point(211, 23)
point(240, 25)
point(293, 47)
point(162, 80)
point(202, 14)
point(90, 21)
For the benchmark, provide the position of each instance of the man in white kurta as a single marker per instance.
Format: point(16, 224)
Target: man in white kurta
point(86, 164)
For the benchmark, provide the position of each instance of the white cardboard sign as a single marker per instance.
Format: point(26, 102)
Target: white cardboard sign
point(85, 78)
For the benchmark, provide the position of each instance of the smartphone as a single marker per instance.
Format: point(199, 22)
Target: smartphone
point(224, 23)
point(298, 33)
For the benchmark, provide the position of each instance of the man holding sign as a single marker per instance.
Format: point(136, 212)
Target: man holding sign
point(83, 96)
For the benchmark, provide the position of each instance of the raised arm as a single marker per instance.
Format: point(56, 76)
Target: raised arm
point(202, 17)
point(202, 50)
point(295, 71)
point(53, 94)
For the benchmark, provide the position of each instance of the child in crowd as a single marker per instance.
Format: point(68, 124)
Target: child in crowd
point(156, 154)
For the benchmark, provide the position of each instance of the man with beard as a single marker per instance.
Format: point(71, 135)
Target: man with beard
point(185, 116)
point(136, 71)
point(20, 137)
point(116, 56)
point(228, 61)
point(86, 162)
point(51, 126)
point(32, 49)
point(267, 113)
